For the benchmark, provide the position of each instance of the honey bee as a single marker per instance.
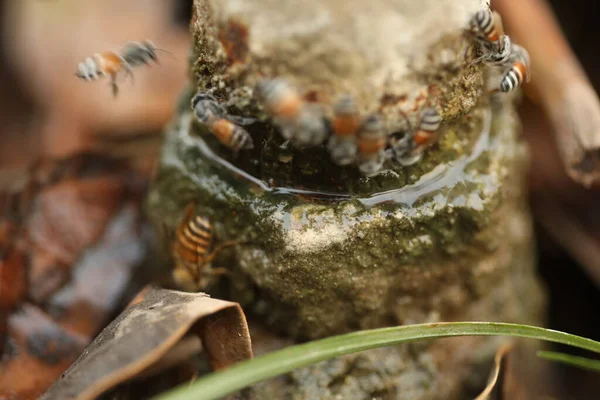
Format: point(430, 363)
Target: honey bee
point(213, 115)
point(346, 122)
point(409, 149)
point(519, 71)
point(497, 47)
point(136, 53)
point(108, 63)
point(488, 23)
point(427, 132)
point(371, 143)
point(111, 63)
point(193, 240)
point(299, 122)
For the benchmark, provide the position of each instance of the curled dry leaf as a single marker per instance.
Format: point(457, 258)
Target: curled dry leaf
point(495, 378)
point(153, 323)
point(559, 80)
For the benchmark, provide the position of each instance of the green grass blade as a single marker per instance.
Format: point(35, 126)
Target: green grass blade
point(575, 361)
point(219, 384)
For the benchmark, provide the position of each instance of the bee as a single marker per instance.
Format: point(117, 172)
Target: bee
point(136, 53)
point(111, 63)
point(489, 23)
point(209, 112)
point(108, 63)
point(193, 241)
point(519, 71)
point(346, 122)
point(427, 132)
point(371, 143)
point(409, 149)
point(299, 122)
point(497, 47)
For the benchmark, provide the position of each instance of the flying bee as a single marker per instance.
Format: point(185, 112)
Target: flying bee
point(519, 71)
point(409, 149)
point(110, 63)
point(191, 251)
point(299, 122)
point(346, 122)
point(136, 53)
point(213, 115)
point(371, 143)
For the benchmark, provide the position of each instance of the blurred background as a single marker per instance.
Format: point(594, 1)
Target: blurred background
point(46, 110)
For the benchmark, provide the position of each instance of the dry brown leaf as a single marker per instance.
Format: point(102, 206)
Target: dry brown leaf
point(493, 381)
point(13, 279)
point(67, 218)
point(42, 351)
point(144, 333)
point(85, 213)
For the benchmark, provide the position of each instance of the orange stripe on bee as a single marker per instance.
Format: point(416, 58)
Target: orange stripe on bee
point(110, 62)
point(190, 245)
point(345, 125)
point(223, 130)
point(493, 36)
point(521, 69)
point(198, 240)
point(195, 230)
point(423, 137)
point(367, 147)
point(288, 106)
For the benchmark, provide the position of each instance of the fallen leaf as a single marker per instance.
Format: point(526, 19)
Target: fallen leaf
point(101, 276)
point(154, 322)
point(493, 381)
point(43, 350)
point(82, 219)
point(67, 218)
point(13, 279)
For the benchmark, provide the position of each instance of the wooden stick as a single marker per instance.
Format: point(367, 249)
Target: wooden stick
point(565, 92)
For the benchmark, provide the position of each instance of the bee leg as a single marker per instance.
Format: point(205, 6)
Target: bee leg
point(115, 89)
point(217, 271)
point(209, 258)
point(113, 85)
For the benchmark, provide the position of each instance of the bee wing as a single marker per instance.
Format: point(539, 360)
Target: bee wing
point(242, 121)
point(498, 23)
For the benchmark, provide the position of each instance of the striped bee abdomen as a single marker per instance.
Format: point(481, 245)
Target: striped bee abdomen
point(513, 78)
point(193, 240)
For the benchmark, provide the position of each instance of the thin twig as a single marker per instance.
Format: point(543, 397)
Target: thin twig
point(564, 89)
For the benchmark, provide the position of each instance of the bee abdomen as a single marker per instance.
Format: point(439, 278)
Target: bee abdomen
point(430, 120)
point(231, 135)
point(346, 121)
point(513, 78)
point(371, 136)
point(484, 21)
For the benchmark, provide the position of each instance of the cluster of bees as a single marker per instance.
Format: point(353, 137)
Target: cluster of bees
point(349, 136)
